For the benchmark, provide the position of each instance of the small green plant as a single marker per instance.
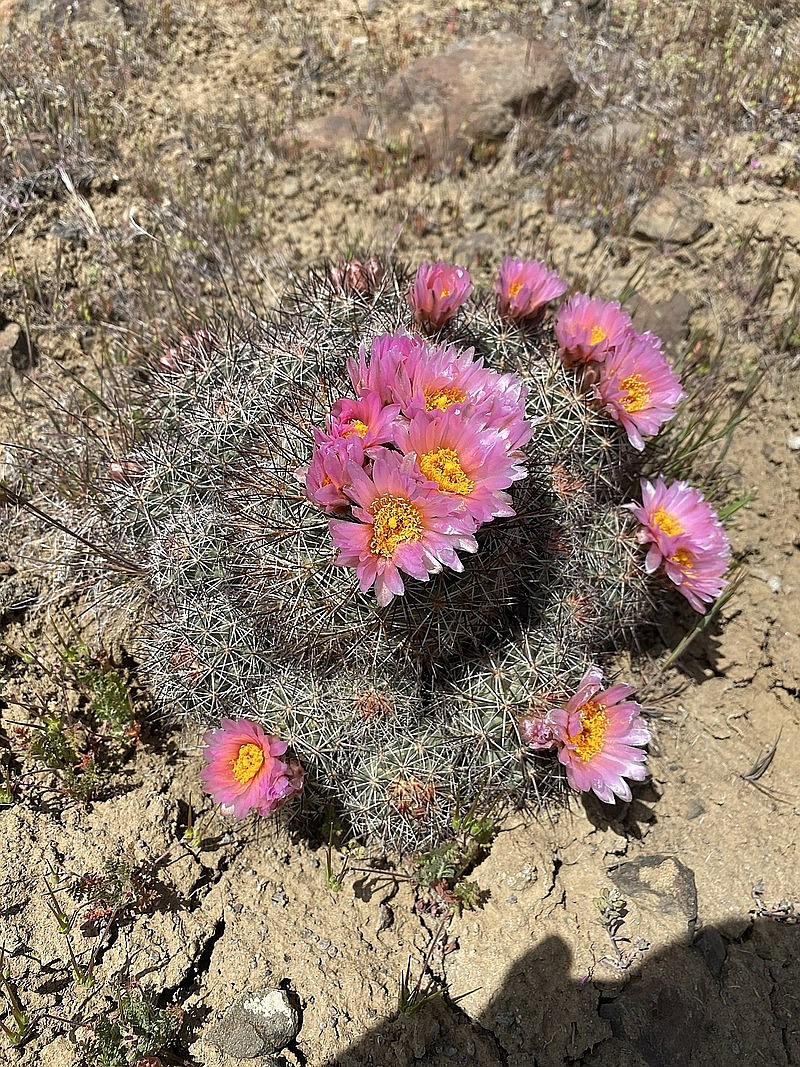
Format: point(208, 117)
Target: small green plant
point(444, 869)
point(95, 736)
point(335, 878)
point(82, 974)
point(109, 696)
point(411, 995)
point(54, 743)
point(20, 1029)
point(124, 884)
point(135, 1030)
point(613, 909)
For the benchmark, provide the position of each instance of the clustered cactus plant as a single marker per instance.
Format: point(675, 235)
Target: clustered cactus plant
point(413, 700)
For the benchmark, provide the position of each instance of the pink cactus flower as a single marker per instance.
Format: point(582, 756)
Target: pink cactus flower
point(503, 410)
point(440, 377)
point(388, 356)
point(437, 292)
point(524, 288)
point(638, 388)
point(537, 731)
point(698, 575)
point(403, 525)
point(358, 276)
point(245, 770)
point(588, 329)
point(366, 417)
point(599, 731)
point(124, 471)
point(686, 539)
point(326, 474)
point(453, 451)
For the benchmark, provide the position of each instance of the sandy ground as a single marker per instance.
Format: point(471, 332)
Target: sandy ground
point(706, 846)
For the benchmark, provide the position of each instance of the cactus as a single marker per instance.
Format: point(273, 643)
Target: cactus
point(401, 715)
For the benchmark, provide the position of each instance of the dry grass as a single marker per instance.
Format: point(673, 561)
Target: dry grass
point(664, 88)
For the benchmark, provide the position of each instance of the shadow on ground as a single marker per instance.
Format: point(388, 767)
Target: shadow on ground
point(717, 1001)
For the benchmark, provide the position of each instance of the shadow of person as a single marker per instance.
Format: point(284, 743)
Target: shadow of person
point(721, 1001)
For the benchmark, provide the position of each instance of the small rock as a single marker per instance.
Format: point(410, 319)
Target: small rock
point(616, 134)
point(713, 949)
point(385, 918)
point(662, 887)
point(668, 319)
point(258, 1024)
point(793, 442)
point(17, 352)
point(694, 809)
point(341, 131)
point(774, 583)
point(671, 216)
point(465, 98)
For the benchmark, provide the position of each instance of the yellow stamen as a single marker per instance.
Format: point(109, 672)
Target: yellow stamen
point(444, 292)
point(683, 559)
point(443, 467)
point(637, 393)
point(443, 398)
point(597, 335)
point(397, 521)
point(667, 522)
point(594, 724)
point(514, 288)
point(357, 426)
point(248, 762)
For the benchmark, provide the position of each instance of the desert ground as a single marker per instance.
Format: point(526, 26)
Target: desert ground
point(162, 161)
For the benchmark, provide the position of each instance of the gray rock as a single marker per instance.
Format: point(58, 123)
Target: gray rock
point(17, 353)
point(663, 887)
point(464, 98)
point(669, 319)
point(473, 92)
point(258, 1024)
point(341, 131)
point(671, 216)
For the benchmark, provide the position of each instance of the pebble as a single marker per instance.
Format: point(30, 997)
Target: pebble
point(774, 583)
point(793, 441)
point(257, 1024)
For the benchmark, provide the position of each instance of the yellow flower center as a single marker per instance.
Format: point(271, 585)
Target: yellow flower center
point(444, 292)
point(683, 559)
point(594, 724)
point(597, 335)
point(443, 467)
point(667, 522)
point(443, 398)
point(637, 393)
point(356, 426)
point(248, 762)
point(514, 288)
point(396, 522)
